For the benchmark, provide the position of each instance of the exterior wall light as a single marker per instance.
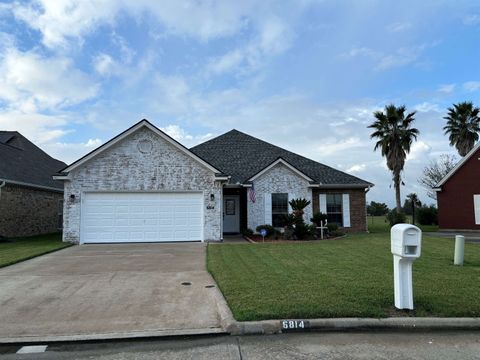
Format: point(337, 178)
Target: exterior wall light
point(72, 197)
point(212, 197)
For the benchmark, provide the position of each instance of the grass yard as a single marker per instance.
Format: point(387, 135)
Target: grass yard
point(378, 224)
point(21, 249)
point(346, 277)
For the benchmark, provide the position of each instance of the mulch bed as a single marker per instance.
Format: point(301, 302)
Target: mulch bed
point(259, 239)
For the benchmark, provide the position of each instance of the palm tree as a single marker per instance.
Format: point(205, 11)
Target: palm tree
point(463, 125)
point(395, 136)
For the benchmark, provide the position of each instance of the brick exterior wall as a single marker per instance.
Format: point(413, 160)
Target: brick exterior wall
point(358, 211)
point(123, 167)
point(28, 211)
point(278, 179)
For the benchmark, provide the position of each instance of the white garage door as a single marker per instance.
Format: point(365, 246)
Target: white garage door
point(141, 217)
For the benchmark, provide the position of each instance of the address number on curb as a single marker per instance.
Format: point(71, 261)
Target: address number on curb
point(292, 325)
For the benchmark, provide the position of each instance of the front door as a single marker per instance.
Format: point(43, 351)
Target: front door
point(231, 213)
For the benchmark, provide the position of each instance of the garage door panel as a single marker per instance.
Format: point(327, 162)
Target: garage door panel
point(142, 217)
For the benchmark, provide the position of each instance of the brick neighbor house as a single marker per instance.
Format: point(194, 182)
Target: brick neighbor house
point(143, 186)
point(30, 200)
point(458, 194)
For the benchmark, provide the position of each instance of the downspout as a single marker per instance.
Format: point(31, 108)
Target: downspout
point(367, 189)
point(1, 186)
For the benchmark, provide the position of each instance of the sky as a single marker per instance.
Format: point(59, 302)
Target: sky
point(304, 75)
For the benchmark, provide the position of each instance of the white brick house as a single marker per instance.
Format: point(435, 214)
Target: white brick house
point(143, 186)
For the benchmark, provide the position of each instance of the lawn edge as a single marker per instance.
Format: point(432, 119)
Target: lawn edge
point(67, 245)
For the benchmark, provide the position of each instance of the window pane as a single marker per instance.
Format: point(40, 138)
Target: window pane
point(334, 209)
point(279, 203)
point(279, 209)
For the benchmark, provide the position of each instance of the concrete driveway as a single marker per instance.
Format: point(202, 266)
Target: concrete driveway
point(110, 291)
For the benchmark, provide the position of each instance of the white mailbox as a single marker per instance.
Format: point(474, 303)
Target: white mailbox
point(406, 245)
point(406, 240)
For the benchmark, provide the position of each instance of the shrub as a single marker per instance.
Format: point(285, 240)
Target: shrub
point(247, 232)
point(298, 205)
point(270, 229)
point(394, 217)
point(318, 217)
point(427, 215)
point(289, 220)
point(332, 227)
point(303, 231)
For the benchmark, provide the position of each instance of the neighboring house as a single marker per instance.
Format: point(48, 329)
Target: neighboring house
point(458, 194)
point(31, 201)
point(143, 186)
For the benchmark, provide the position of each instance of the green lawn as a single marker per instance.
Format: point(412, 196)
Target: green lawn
point(378, 224)
point(26, 248)
point(346, 277)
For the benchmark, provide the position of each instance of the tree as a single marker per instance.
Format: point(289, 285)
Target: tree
point(411, 203)
point(436, 171)
point(394, 135)
point(377, 209)
point(463, 125)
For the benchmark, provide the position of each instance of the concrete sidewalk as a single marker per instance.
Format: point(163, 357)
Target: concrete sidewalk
point(109, 291)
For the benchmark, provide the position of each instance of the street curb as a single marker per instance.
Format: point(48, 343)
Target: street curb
point(349, 324)
point(111, 336)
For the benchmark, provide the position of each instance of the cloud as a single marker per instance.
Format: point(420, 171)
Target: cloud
point(29, 81)
point(402, 56)
point(69, 152)
point(446, 88)
point(399, 27)
point(59, 21)
point(471, 86)
point(471, 20)
point(356, 168)
point(427, 107)
point(274, 37)
point(418, 150)
point(62, 21)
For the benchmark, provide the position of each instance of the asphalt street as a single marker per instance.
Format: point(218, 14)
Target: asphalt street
point(334, 345)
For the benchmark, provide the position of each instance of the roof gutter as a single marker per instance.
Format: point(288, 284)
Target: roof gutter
point(342, 186)
point(5, 181)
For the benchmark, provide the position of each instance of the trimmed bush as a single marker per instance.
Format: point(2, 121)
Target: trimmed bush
point(247, 232)
point(332, 227)
point(318, 218)
point(269, 228)
point(393, 217)
point(427, 215)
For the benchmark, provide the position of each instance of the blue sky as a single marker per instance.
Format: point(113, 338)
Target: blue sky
point(305, 75)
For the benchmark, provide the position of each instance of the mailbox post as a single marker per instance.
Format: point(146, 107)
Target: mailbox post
point(406, 243)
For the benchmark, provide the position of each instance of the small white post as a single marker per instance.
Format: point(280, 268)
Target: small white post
point(459, 250)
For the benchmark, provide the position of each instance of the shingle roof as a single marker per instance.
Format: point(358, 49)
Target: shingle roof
point(241, 156)
point(22, 161)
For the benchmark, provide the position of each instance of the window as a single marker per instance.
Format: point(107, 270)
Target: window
point(334, 209)
point(279, 209)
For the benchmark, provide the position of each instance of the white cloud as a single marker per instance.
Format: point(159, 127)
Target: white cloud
point(38, 128)
point(472, 19)
point(29, 81)
point(104, 64)
point(418, 150)
point(446, 88)
point(356, 168)
point(274, 37)
point(63, 20)
point(399, 27)
point(182, 136)
point(402, 56)
point(427, 107)
point(471, 86)
point(69, 152)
